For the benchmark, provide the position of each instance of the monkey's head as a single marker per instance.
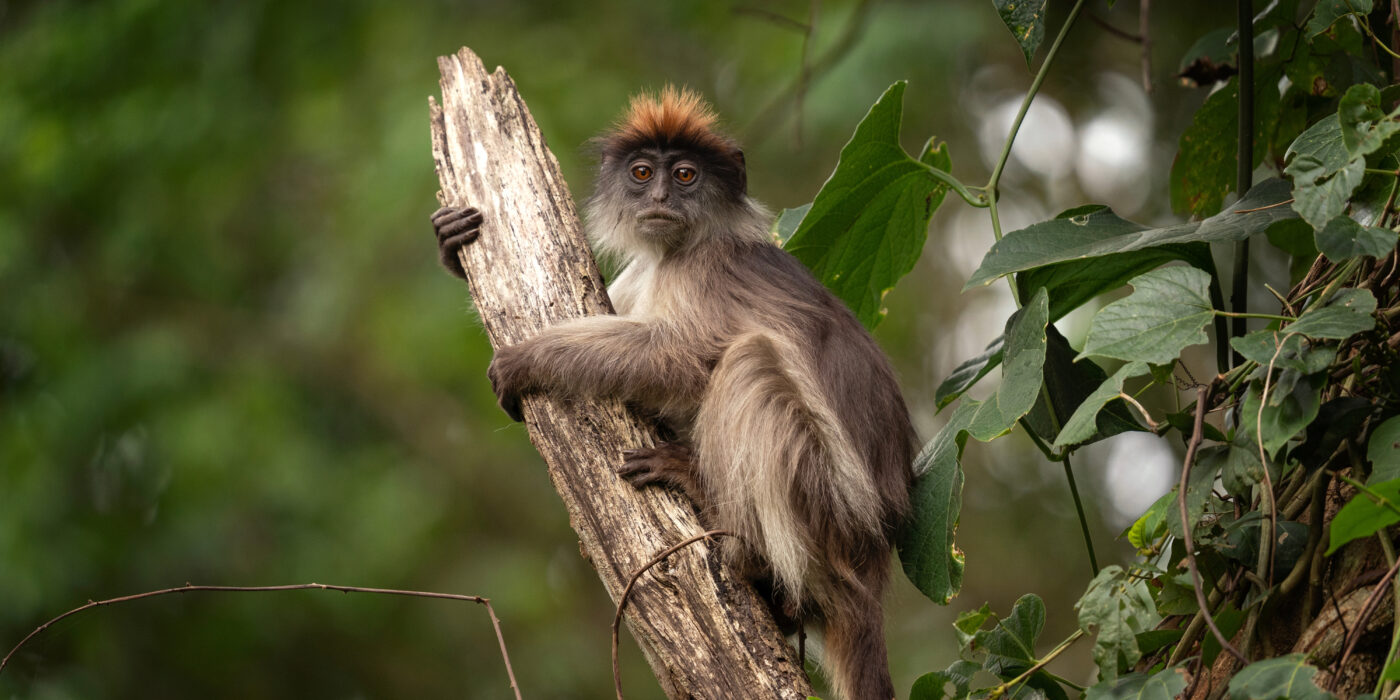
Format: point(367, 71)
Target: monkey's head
point(666, 176)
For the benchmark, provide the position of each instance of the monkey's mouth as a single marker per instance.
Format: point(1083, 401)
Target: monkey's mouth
point(659, 215)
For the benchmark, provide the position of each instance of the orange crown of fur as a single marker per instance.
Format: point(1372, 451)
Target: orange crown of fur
point(675, 118)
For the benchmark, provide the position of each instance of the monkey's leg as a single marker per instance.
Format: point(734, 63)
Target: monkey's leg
point(668, 464)
point(455, 227)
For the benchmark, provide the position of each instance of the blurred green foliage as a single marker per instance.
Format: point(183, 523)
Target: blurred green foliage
point(227, 354)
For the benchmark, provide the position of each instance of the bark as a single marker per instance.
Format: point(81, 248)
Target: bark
point(706, 633)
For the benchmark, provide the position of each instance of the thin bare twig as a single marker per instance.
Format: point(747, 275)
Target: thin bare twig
point(191, 588)
point(1186, 527)
point(1151, 424)
point(622, 600)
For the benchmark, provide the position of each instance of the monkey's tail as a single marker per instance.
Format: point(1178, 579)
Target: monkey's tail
point(856, 662)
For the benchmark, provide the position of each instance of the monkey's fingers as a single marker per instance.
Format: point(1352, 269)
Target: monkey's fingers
point(448, 221)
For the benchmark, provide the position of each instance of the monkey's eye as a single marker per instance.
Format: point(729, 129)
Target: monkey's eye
point(684, 175)
point(641, 173)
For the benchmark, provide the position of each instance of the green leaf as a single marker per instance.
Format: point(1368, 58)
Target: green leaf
point(965, 375)
point(867, 225)
point(1152, 640)
point(1104, 233)
point(1328, 12)
point(1362, 516)
point(1347, 313)
point(1147, 529)
point(969, 622)
point(932, 686)
point(1084, 422)
point(1298, 352)
point(1285, 415)
point(1392, 671)
point(1163, 685)
point(1365, 126)
point(1010, 646)
point(1204, 170)
point(1280, 678)
point(1167, 311)
point(1026, 20)
point(1319, 195)
point(1323, 141)
point(1116, 608)
point(1383, 451)
point(1343, 238)
point(1067, 385)
point(788, 221)
point(926, 550)
point(1021, 373)
point(1198, 491)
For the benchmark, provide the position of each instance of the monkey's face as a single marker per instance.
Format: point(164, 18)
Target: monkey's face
point(667, 195)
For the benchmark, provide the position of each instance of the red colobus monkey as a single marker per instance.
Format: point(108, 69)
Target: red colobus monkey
point(788, 428)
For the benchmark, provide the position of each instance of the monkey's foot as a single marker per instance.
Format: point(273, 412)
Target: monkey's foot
point(669, 464)
point(455, 227)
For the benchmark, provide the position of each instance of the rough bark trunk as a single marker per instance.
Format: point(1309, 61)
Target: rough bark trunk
point(706, 633)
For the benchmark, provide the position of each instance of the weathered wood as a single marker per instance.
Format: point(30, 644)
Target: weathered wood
point(706, 633)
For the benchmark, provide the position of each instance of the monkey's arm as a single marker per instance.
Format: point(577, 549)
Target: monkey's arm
point(642, 362)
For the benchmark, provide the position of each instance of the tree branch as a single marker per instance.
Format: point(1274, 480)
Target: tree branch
point(706, 632)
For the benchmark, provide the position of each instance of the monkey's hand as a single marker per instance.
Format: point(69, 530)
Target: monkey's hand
point(508, 374)
point(455, 227)
point(669, 463)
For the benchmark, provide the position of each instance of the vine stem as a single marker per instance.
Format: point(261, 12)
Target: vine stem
point(1244, 171)
point(1059, 649)
point(1083, 521)
point(191, 588)
point(1199, 585)
point(991, 188)
point(1383, 687)
point(1268, 317)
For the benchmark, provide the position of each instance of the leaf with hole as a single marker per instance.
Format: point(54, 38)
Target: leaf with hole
point(1115, 608)
point(1365, 126)
point(1101, 232)
point(1026, 20)
point(1167, 312)
point(1383, 451)
point(866, 227)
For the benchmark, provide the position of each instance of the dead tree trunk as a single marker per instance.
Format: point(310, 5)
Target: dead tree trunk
point(706, 633)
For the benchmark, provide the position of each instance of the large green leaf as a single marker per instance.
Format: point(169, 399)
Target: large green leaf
point(1364, 516)
point(1347, 313)
point(1204, 170)
point(1026, 20)
point(926, 550)
point(1116, 607)
point(1343, 238)
point(1167, 311)
point(969, 373)
point(1383, 451)
point(867, 225)
point(933, 686)
point(1082, 425)
point(1010, 646)
point(1280, 678)
point(1102, 232)
point(1162, 685)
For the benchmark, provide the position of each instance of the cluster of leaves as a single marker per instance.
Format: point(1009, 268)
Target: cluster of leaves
point(1296, 402)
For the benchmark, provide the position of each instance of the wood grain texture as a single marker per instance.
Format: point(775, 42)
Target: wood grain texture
point(706, 633)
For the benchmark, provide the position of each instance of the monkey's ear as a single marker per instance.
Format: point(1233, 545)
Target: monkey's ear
point(738, 156)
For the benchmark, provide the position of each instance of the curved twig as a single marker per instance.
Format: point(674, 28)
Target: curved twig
point(1186, 528)
point(191, 588)
point(631, 581)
